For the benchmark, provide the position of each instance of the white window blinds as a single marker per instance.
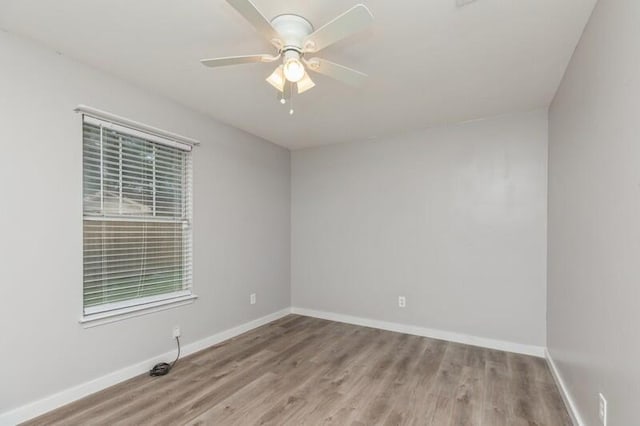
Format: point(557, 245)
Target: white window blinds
point(137, 217)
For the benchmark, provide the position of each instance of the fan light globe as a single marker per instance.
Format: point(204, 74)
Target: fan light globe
point(293, 70)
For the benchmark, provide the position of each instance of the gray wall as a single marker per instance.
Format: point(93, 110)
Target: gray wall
point(594, 217)
point(241, 226)
point(453, 218)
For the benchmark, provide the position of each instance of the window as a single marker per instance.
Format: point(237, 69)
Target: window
point(137, 201)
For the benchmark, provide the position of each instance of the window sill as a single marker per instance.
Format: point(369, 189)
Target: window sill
point(94, 320)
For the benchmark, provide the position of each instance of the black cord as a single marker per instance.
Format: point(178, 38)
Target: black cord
point(163, 368)
point(176, 360)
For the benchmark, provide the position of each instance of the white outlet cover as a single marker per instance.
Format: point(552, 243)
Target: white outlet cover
point(402, 301)
point(252, 298)
point(176, 331)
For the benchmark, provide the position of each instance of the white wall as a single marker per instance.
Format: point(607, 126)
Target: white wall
point(594, 217)
point(453, 218)
point(241, 226)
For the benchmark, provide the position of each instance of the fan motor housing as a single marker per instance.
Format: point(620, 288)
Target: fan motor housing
point(293, 29)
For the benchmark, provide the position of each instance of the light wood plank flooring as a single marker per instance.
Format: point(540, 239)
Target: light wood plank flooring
point(306, 371)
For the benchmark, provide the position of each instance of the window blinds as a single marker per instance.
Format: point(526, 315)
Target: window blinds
point(137, 217)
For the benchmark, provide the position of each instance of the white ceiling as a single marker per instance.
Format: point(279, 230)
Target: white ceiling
point(429, 61)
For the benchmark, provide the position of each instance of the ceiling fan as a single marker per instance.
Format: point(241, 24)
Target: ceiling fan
point(294, 38)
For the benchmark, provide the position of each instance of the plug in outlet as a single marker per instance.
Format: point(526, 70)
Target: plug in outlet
point(402, 302)
point(176, 331)
point(252, 299)
point(602, 409)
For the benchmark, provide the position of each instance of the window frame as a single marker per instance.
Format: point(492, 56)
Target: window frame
point(115, 311)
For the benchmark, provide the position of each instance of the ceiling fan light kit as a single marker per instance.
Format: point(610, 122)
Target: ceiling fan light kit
point(294, 37)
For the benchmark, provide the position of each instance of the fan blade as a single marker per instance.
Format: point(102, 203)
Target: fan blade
point(338, 72)
point(250, 12)
point(237, 60)
point(350, 22)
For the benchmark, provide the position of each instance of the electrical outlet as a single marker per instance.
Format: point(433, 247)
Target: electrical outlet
point(252, 299)
point(176, 331)
point(402, 302)
point(602, 409)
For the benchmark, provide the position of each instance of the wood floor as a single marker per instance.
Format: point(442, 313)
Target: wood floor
point(301, 370)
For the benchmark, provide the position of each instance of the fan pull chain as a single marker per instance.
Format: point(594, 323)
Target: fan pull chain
point(291, 100)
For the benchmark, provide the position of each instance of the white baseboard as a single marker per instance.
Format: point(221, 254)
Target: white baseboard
point(538, 351)
point(564, 391)
point(67, 396)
